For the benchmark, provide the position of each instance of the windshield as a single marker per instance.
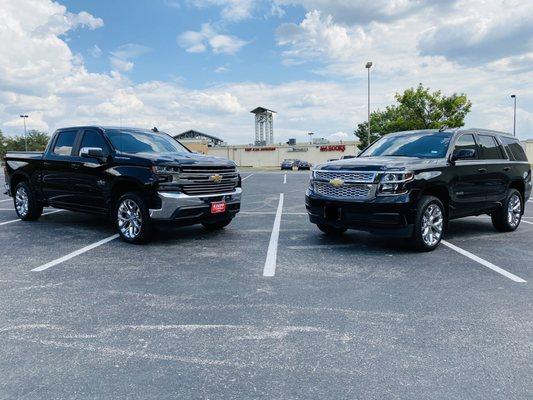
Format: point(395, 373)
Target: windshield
point(418, 144)
point(133, 141)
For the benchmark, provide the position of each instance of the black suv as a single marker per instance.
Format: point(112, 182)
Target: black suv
point(412, 183)
point(135, 176)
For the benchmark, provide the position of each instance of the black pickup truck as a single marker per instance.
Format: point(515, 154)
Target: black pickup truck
point(135, 176)
point(411, 184)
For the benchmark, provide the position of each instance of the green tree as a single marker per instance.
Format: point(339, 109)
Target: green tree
point(3, 146)
point(37, 141)
point(416, 108)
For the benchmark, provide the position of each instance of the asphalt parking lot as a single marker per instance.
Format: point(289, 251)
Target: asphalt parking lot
point(257, 312)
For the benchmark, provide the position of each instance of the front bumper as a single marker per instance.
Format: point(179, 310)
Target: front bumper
point(388, 215)
point(194, 209)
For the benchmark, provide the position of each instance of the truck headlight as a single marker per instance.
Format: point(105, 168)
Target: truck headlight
point(167, 173)
point(394, 183)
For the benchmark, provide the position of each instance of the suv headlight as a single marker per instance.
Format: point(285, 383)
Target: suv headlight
point(394, 183)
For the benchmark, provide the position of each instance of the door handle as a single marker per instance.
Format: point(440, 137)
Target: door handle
point(507, 169)
point(74, 165)
point(481, 170)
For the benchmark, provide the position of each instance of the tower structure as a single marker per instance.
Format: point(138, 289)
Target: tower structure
point(264, 126)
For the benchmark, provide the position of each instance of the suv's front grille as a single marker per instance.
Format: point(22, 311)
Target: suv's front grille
point(353, 192)
point(347, 176)
point(198, 180)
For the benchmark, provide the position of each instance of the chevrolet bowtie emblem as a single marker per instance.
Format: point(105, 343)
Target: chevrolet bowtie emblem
point(215, 178)
point(337, 182)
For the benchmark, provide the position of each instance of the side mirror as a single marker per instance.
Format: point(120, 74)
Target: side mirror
point(92, 152)
point(464, 154)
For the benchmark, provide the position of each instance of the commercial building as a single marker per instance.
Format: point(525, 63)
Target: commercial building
point(273, 156)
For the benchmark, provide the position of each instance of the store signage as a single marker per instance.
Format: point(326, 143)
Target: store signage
point(260, 149)
point(333, 147)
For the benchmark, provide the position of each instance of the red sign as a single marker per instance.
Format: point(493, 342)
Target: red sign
point(260, 149)
point(334, 147)
point(218, 207)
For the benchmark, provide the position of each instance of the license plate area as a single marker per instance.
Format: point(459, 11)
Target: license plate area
point(332, 213)
point(218, 207)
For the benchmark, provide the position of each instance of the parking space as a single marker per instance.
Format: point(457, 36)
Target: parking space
point(194, 315)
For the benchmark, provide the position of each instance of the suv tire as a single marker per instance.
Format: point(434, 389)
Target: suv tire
point(218, 225)
point(507, 218)
point(430, 224)
point(132, 219)
point(26, 205)
point(331, 230)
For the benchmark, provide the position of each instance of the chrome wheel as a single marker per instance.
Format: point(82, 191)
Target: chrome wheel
point(129, 219)
point(22, 201)
point(432, 223)
point(514, 210)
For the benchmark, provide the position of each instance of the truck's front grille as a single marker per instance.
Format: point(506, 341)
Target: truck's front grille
point(353, 192)
point(198, 180)
point(347, 176)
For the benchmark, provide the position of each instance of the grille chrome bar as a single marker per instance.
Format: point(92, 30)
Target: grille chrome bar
point(347, 191)
point(346, 176)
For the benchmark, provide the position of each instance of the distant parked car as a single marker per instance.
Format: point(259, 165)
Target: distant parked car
point(302, 165)
point(289, 164)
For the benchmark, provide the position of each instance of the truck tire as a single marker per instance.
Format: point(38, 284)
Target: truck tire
point(331, 230)
point(507, 218)
point(132, 219)
point(215, 226)
point(26, 206)
point(430, 224)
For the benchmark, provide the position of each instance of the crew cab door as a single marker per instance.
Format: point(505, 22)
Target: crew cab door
point(57, 169)
point(495, 179)
point(466, 188)
point(89, 180)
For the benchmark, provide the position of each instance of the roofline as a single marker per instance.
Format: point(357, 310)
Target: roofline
point(201, 133)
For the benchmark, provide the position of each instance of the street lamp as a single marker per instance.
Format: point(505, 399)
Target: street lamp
point(368, 66)
point(513, 96)
point(25, 135)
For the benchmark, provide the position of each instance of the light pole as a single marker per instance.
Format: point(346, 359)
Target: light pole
point(25, 135)
point(368, 66)
point(513, 96)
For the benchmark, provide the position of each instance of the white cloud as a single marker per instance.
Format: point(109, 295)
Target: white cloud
point(231, 10)
point(95, 51)
point(207, 37)
point(121, 58)
point(366, 11)
point(319, 36)
point(84, 19)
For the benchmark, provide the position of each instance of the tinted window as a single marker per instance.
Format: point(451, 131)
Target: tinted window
point(133, 141)
point(490, 149)
point(93, 139)
point(514, 148)
point(64, 143)
point(417, 144)
point(465, 142)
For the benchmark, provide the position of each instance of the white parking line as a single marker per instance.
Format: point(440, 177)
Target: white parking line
point(18, 220)
point(284, 179)
point(246, 177)
point(272, 253)
point(527, 222)
point(322, 246)
point(5, 200)
point(75, 253)
point(483, 262)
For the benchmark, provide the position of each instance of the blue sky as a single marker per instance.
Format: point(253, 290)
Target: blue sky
point(204, 64)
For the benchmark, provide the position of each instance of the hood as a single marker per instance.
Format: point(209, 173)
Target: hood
point(382, 164)
point(181, 159)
